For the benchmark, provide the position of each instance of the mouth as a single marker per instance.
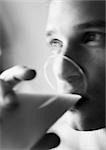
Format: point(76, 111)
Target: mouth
point(81, 102)
point(72, 85)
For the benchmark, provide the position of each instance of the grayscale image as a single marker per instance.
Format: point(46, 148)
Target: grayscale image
point(52, 75)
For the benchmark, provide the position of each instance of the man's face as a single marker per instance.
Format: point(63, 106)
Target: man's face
point(76, 29)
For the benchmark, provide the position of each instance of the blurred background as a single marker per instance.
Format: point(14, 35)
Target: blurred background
point(22, 39)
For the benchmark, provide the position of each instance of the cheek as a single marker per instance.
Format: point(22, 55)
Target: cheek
point(57, 67)
point(96, 65)
point(62, 67)
point(95, 68)
point(92, 60)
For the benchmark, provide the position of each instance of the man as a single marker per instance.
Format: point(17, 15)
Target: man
point(76, 30)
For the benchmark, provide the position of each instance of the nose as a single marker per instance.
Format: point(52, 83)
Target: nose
point(65, 69)
point(68, 60)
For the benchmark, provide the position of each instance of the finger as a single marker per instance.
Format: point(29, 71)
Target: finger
point(17, 74)
point(4, 89)
point(1, 93)
point(7, 96)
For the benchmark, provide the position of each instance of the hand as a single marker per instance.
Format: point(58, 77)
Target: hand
point(9, 79)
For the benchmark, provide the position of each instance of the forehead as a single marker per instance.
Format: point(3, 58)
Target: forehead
point(72, 6)
point(73, 12)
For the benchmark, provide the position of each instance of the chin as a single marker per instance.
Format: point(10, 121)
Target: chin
point(89, 112)
point(86, 116)
point(82, 123)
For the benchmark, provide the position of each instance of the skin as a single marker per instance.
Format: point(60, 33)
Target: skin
point(86, 51)
point(8, 80)
point(85, 46)
point(76, 29)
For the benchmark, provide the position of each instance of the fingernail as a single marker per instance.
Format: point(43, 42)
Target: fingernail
point(30, 74)
point(50, 140)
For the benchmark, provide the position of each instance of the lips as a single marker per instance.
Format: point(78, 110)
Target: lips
point(74, 84)
point(78, 84)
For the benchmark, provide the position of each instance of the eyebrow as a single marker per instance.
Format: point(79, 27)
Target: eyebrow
point(87, 25)
point(91, 24)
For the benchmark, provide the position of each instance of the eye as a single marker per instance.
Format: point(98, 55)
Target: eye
point(93, 38)
point(56, 45)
